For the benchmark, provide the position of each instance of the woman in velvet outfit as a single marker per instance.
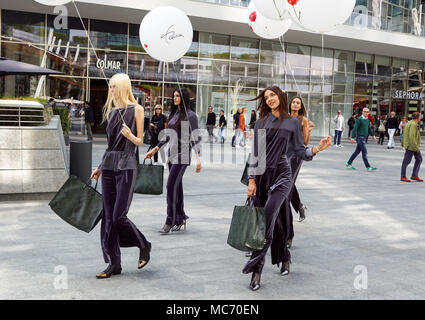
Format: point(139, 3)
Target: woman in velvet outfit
point(183, 134)
point(297, 110)
point(272, 187)
point(119, 170)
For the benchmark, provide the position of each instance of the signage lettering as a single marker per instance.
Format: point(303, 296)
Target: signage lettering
point(105, 64)
point(403, 94)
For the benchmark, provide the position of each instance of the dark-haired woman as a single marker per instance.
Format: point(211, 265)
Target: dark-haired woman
point(272, 187)
point(183, 135)
point(297, 110)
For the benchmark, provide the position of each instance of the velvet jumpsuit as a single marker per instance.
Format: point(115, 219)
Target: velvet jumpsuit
point(119, 171)
point(283, 137)
point(185, 137)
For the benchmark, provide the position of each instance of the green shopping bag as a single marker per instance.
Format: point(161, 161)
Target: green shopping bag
point(78, 204)
point(150, 178)
point(248, 227)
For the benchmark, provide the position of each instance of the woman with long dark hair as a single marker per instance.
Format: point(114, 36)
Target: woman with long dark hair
point(157, 124)
point(272, 185)
point(297, 110)
point(183, 135)
point(118, 168)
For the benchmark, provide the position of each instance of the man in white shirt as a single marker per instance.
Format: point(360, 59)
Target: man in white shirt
point(339, 127)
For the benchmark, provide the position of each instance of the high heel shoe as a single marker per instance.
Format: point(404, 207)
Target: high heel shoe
point(302, 212)
point(284, 270)
point(248, 254)
point(255, 281)
point(112, 269)
point(178, 227)
point(165, 229)
point(144, 256)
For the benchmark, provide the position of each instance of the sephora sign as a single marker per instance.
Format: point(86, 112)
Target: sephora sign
point(403, 94)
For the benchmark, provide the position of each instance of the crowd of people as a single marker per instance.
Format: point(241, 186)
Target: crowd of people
point(287, 133)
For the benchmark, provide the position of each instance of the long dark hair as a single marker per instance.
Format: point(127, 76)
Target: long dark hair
point(264, 109)
point(184, 105)
point(302, 112)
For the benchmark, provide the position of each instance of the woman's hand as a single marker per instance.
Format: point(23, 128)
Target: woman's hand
point(310, 126)
point(325, 143)
point(96, 174)
point(252, 188)
point(151, 153)
point(198, 166)
point(126, 132)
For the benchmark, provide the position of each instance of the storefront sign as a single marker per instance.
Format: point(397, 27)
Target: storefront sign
point(402, 94)
point(105, 64)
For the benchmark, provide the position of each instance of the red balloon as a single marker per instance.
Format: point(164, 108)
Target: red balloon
point(146, 46)
point(293, 2)
point(253, 16)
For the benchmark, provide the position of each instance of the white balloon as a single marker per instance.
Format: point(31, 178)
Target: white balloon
point(53, 2)
point(266, 28)
point(321, 15)
point(272, 9)
point(166, 33)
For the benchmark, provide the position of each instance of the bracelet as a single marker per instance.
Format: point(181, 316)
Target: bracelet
point(318, 149)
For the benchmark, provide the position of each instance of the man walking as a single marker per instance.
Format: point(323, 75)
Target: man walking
point(361, 130)
point(351, 123)
point(211, 119)
point(339, 127)
point(392, 126)
point(412, 142)
point(89, 119)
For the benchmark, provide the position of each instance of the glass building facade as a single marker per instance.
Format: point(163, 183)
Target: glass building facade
point(220, 70)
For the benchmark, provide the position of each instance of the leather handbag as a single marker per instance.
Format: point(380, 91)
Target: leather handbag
point(78, 204)
point(244, 178)
point(150, 178)
point(248, 227)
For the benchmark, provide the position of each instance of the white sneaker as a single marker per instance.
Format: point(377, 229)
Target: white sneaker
point(341, 146)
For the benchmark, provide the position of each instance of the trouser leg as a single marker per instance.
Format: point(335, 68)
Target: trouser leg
point(406, 161)
point(355, 154)
point(364, 153)
point(418, 161)
point(339, 137)
point(89, 132)
point(175, 206)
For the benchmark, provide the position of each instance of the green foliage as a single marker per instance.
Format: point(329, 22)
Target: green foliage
point(64, 116)
point(29, 98)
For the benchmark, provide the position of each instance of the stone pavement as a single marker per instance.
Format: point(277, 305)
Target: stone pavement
point(356, 221)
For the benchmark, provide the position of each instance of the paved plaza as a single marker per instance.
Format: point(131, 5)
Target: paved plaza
point(357, 221)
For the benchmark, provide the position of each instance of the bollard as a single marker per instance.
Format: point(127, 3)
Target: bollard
point(80, 162)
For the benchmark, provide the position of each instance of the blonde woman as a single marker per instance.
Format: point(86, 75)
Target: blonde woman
point(118, 168)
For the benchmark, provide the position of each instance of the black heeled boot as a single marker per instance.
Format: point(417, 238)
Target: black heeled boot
point(255, 281)
point(112, 269)
point(284, 270)
point(144, 256)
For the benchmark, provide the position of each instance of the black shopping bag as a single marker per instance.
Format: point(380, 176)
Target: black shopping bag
point(248, 227)
point(150, 178)
point(78, 204)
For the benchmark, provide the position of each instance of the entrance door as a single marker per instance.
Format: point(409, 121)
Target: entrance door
point(98, 97)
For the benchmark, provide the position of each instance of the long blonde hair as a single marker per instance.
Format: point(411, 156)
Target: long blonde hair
point(123, 86)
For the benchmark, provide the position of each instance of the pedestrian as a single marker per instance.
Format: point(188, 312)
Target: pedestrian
point(88, 119)
point(272, 188)
point(211, 120)
point(339, 126)
point(253, 120)
point(382, 124)
point(241, 139)
point(412, 143)
point(222, 124)
point(297, 110)
point(181, 119)
point(392, 126)
point(351, 123)
point(401, 127)
point(156, 125)
point(361, 130)
point(236, 117)
point(119, 170)
point(371, 125)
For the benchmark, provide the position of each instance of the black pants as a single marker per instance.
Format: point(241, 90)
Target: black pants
point(116, 229)
point(175, 198)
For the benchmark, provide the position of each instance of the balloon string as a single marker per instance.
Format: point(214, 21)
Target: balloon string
point(94, 51)
point(90, 42)
point(323, 81)
point(286, 61)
